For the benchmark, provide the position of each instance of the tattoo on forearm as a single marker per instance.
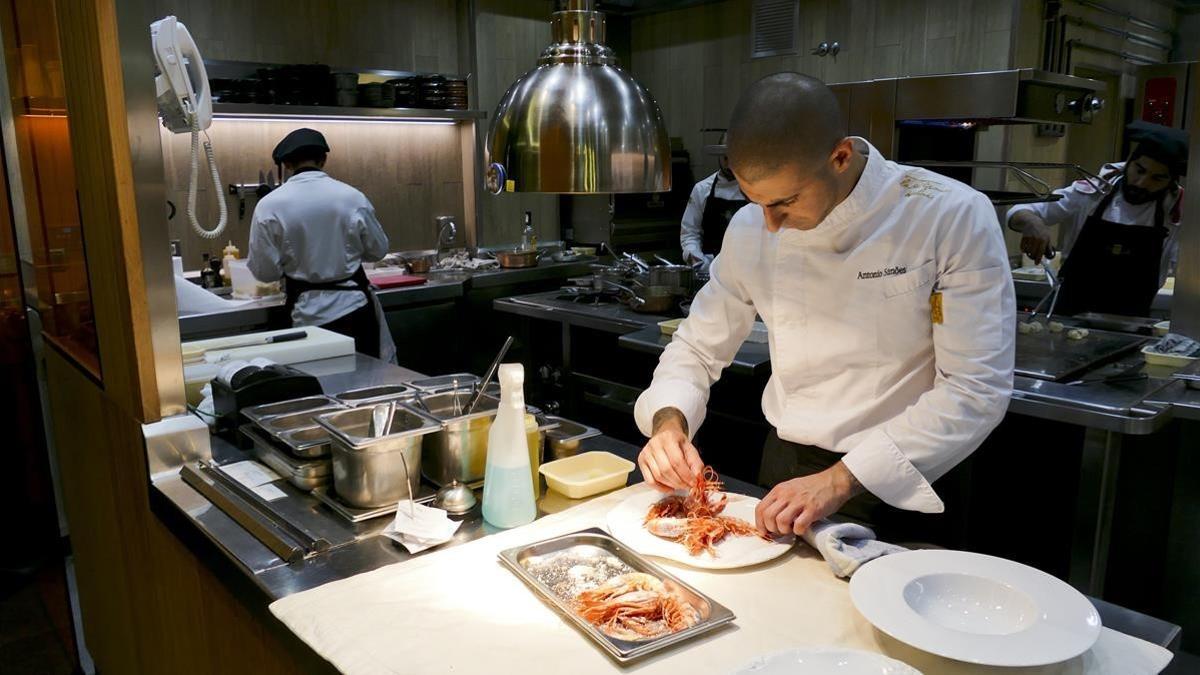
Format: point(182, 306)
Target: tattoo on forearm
point(667, 415)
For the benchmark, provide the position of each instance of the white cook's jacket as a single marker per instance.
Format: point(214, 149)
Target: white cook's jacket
point(1080, 199)
point(858, 365)
point(318, 229)
point(691, 230)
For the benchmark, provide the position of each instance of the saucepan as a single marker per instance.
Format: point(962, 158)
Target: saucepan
point(681, 278)
point(649, 299)
point(516, 259)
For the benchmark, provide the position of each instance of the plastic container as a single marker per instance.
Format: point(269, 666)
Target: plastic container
point(1162, 328)
point(670, 326)
point(508, 494)
point(1159, 359)
point(587, 474)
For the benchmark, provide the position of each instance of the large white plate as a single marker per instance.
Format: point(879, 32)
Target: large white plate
point(825, 661)
point(975, 608)
point(625, 522)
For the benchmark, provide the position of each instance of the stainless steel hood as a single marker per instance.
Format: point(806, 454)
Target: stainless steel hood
point(577, 123)
point(1019, 96)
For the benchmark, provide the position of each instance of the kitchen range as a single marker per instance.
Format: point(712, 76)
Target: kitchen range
point(607, 337)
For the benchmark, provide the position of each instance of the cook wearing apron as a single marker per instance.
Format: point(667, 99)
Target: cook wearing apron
point(890, 312)
point(1119, 238)
point(710, 207)
point(314, 232)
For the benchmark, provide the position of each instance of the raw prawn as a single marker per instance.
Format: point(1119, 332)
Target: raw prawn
point(694, 519)
point(635, 606)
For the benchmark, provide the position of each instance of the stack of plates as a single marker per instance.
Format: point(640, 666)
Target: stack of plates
point(407, 91)
point(432, 92)
point(975, 608)
point(456, 93)
point(370, 95)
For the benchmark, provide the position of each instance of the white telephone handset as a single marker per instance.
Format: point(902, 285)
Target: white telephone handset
point(184, 109)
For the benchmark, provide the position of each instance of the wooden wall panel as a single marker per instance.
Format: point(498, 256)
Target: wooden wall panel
point(509, 36)
point(696, 61)
point(410, 172)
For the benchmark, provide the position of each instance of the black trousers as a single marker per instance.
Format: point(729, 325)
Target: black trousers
point(783, 460)
point(361, 325)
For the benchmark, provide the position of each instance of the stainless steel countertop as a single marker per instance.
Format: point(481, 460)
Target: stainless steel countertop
point(264, 315)
point(356, 548)
point(1122, 408)
point(752, 358)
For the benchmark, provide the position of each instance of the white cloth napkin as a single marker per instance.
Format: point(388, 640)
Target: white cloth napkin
point(418, 527)
point(847, 546)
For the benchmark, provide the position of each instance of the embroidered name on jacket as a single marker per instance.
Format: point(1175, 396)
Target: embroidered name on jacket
point(885, 272)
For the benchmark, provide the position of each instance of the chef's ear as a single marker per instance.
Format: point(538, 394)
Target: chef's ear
point(841, 155)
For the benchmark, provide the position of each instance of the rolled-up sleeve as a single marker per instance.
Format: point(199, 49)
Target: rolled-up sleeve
point(265, 259)
point(374, 239)
point(706, 342)
point(973, 358)
point(691, 234)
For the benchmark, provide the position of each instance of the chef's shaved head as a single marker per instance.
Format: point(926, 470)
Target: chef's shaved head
point(782, 119)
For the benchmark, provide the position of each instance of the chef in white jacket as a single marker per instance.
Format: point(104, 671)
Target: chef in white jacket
point(314, 232)
point(710, 207)
point(889, 304)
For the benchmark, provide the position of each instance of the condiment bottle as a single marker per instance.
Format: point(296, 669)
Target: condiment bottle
point(228, 254)
point(508, 499)
point(528, 235)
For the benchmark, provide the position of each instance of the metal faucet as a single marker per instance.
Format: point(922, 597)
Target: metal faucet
point(447, 233)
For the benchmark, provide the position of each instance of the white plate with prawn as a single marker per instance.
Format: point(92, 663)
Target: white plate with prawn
point(702, 527)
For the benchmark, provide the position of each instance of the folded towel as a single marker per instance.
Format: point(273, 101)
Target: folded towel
point(418, 527)
point(846, 546)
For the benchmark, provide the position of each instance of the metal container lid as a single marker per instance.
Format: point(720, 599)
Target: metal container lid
point(353, 427)
point(375, 394)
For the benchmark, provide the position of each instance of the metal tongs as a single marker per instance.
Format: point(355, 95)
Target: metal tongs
point(487, 378)
point(381, 423)
point(1055, 287)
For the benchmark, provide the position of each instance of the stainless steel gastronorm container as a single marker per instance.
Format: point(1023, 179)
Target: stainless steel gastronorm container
point(380, 393)
point(458, 450)
point(565, 439)
point(369, 471)
point(260, 412)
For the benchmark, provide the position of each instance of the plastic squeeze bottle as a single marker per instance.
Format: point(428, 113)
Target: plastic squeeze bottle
point(507, 480)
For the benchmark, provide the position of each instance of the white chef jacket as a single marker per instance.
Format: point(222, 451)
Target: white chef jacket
point(691, 232)
point(1081, 198)
point(859, 366)
point(317, 229)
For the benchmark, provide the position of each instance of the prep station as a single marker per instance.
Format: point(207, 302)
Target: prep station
point(244, 490)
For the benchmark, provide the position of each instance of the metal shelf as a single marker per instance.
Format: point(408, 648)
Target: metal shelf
point(322, 112)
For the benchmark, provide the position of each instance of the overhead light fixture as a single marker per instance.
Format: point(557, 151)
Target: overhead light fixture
point(577, 123)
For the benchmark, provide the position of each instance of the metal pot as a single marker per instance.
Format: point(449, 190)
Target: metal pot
point(649, 299)
point(370, 471)
point(681, 278)
point(419, 264)
point(517, 259)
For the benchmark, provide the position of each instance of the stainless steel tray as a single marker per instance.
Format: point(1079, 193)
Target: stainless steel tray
point(258, 413)
point(1051, 356)
point(307, 442)
point(592, 543)
point(279, 425)
point(376, 394)
point(446, 382)
point(306, 474)
point(354, 514)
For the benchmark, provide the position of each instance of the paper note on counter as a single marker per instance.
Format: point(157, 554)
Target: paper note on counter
point(250, 473)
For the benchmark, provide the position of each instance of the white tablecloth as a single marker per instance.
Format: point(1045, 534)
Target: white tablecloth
point(460, 611)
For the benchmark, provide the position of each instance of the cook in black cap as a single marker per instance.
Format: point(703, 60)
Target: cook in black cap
point(314, 232)
point(1119, 236)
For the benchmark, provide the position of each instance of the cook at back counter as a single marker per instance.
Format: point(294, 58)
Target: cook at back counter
point(314, 232)
point(890, 307)
point(1120, 238)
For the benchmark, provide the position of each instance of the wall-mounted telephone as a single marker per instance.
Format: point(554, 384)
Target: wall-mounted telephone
point(185, 109)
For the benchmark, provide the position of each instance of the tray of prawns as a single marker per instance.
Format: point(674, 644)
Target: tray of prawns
point(627, 605)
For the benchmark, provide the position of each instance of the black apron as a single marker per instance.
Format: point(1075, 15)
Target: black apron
point(361, 324)
point(717, 214)
point(1113, 268)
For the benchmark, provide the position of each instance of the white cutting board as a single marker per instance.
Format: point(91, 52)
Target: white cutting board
point(320, 344)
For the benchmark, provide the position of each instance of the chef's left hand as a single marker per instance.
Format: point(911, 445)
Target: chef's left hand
point(792, 506)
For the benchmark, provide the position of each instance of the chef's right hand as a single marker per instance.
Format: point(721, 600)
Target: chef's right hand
point(670, 461)
point(1035, 240)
